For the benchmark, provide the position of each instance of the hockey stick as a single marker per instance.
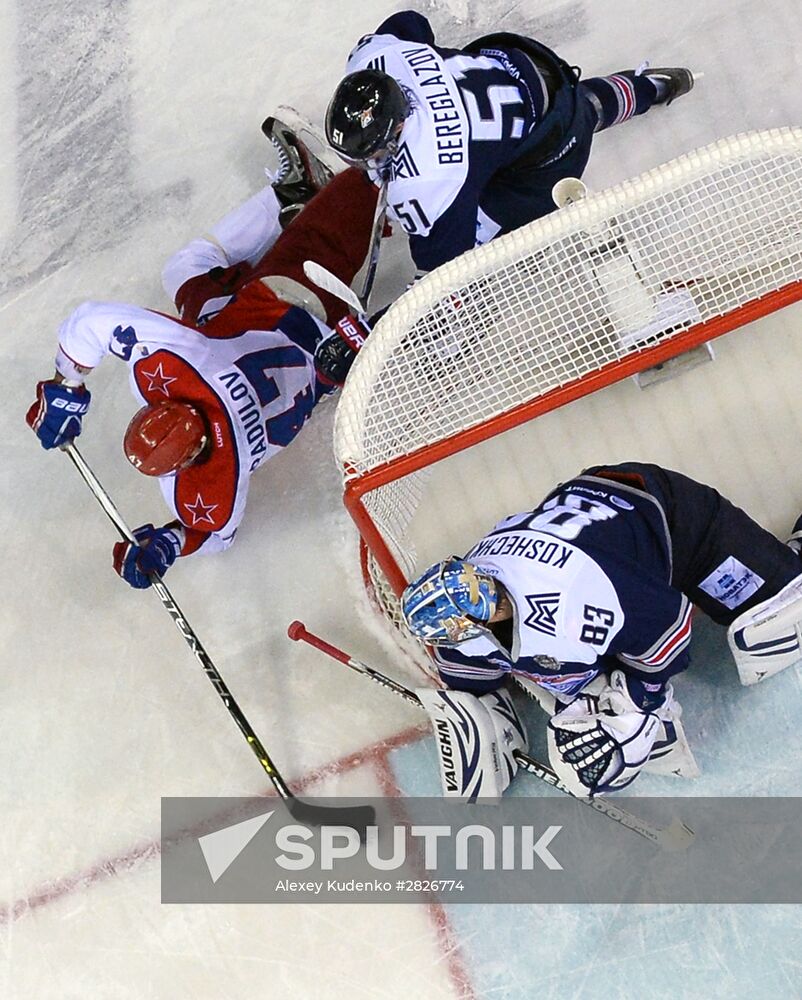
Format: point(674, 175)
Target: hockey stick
point(375, 246)
point(357, 817)
point(329, 282)
point(675, 837)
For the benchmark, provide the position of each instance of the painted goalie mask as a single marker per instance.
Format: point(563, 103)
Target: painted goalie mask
point(450, 603)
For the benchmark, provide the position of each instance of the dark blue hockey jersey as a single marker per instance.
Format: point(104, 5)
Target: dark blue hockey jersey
point(472, 113)
point(588, 572)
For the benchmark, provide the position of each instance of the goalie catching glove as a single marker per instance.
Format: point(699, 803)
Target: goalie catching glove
point(335, 354)
point(476, 741)
point(601, 743)
point(155, 552)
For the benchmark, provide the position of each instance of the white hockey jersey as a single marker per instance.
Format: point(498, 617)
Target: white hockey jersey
point(468, 117)
point(589, 576)
point(431, 165)
point(250, 371)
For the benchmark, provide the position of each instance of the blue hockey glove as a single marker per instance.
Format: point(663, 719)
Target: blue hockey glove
point(156, 551)
point(335, 353)
point(56, 415)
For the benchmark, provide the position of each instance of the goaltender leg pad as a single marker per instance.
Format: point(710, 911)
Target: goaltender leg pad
point(671, 754)
point(476, 741)
point(768, 638)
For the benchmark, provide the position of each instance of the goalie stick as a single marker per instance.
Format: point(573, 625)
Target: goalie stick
point(358, 817)
point(675, 837)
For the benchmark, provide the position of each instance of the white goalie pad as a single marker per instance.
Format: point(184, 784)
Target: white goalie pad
point(671, 754)
point(768, 638)
point(476, 741)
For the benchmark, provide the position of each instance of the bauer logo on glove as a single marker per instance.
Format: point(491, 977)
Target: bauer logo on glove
point(56, 415)
point(335, 354)
point(155, 551)
point(353, 331)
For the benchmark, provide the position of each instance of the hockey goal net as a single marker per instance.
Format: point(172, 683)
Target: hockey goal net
point(600, 290)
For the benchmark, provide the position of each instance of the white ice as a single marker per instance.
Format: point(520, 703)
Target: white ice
point(125, 129)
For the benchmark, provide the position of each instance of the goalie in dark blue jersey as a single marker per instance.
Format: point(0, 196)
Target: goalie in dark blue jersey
point(588, 598)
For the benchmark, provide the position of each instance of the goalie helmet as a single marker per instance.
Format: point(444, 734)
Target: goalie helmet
point(364, 116)
point(165, 437)
point(450, 603)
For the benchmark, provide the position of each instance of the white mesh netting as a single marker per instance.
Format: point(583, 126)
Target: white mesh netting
point(592, 284)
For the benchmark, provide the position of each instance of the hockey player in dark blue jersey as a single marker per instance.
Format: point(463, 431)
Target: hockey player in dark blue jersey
point(589, 598)
point(471, 141)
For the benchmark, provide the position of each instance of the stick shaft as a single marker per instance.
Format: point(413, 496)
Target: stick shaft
point(329, 282)
point(298, 631)
point(375, 246)
point(183, 627)
point(359, 817)
point(656, 835)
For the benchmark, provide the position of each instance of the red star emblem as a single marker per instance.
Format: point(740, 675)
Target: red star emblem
point(158, 380)
point(201, 511)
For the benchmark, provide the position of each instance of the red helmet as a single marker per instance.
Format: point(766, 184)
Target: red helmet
point(165, 437)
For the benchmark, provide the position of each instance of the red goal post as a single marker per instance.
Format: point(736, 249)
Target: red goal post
point(599, 290)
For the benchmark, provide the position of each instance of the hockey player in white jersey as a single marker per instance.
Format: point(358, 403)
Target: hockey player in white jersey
point(471, 141)
point(228, 385)
point(590, 595)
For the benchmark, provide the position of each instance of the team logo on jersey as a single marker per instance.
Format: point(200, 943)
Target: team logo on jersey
point(543, 614)
point(158, 381)
point(126, 339)
point(201, 511)
point(731, 583)
point(403, 164)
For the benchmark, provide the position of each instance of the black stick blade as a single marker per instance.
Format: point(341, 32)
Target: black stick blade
point(357, 817)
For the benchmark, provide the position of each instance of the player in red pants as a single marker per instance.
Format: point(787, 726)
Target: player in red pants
point(232, 381)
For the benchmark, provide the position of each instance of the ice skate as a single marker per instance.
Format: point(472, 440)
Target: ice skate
point(671, 83)
point(297, 174)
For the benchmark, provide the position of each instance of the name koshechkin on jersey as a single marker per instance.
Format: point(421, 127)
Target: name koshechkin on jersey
point(588, 573)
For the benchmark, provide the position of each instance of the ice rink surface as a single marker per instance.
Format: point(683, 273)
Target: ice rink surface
point(126, 129)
